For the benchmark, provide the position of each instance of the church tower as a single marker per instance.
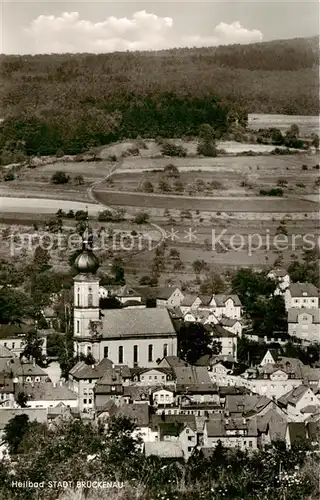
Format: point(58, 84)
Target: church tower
point(86, 295)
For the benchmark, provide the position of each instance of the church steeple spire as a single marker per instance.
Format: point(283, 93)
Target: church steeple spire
point(87, 262)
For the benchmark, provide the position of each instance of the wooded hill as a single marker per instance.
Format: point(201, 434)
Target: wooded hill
point(71, 102)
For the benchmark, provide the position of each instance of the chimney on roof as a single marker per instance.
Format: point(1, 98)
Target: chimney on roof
point(93, 367)
point(112, 366)
point(54, 384)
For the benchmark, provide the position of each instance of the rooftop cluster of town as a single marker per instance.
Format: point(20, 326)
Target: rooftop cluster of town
point(137, 371)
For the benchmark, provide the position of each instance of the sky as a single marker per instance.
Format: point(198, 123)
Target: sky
point(45, 26)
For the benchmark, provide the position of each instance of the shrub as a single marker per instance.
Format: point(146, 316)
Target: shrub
point(9, 176)
point(147, 187)
point(141, 218)
point(171, 170)
point(171, 149)
point(304, 167)
point(300, 185)
point(206, 148)
point(105, 216)
point(60, 178)
point(112, 158)
point(271, 192)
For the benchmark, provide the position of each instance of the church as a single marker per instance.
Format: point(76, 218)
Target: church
point(132, 337)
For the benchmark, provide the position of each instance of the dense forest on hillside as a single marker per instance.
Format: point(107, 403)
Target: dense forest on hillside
point(72, 102)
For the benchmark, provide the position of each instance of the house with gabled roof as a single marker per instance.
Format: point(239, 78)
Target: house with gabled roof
point(47, 394)
point(227, 339)
point(168, 296)
point(299, 403)
point(301, 296)
point(231, 432)
point(271, 356)
point(233, 325)
point(190, 302)
point(179, 430)
point(272, 427)
point(225, 305)
point(282, 278)
point(171, 362)
point(304, 323)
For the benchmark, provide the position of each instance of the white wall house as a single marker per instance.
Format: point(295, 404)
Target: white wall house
point(282, 279)
point(301, 295)
point(228, 306)
point(304, 324)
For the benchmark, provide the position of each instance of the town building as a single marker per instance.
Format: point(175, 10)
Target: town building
point(304, 323)
point(282, 278)
point(301, 296)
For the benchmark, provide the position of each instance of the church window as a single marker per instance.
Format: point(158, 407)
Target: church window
point(13, 344)
point(120, 355)
point(150, 353)
point(106, 352)
point(78, 326)
point(135, 354)
point(165, 350)
point(78, 297)
point(90, 299)
point(88, 350)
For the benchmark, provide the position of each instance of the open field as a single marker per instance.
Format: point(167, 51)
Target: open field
point(217, 177)
point(44, 206)
point(306, 124)
point(218, 204)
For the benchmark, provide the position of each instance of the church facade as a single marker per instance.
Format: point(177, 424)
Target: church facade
point(132, 337)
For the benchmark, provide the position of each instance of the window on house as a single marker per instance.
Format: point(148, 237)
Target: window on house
point(189, 448)
point(190, 438)
point(150, 377)
point(105, 352)
point(187, 431)
point(135, 354)
point(13, 344)
point(85, 401)
point(250, 444)
point(90, 401)
point(163, 377)
point(150, 353)
point(165, 350)
point(78, 326)
point(5, 344)
point(113, 387)
point(142, 378)
point(120, 355)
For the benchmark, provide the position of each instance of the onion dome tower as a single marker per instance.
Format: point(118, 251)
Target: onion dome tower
point(86, 294)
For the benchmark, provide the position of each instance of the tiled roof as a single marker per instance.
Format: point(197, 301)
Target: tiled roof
point(5, 352)
point(273, 422)
point(164, 292)
point(163, 449)
point(205, 299)
point(46, 391)
point(217, 426)
point(299, 289)
point(83, 371)
point(221, 299)
point(20, 369)
point(279, 272)
point(217, 331)
point(294, 313)
point(188, 300)
point(173, 419)
point(228, 321)
point(187, 375)
point(245, 403)
point(173, 361)
point(13, 331)
point(293, 396)
point(310, 408)
point(38, 414)
point(126, 323)
point(139, 413)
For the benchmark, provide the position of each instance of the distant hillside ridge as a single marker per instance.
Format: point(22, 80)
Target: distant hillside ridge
point(72, 102)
